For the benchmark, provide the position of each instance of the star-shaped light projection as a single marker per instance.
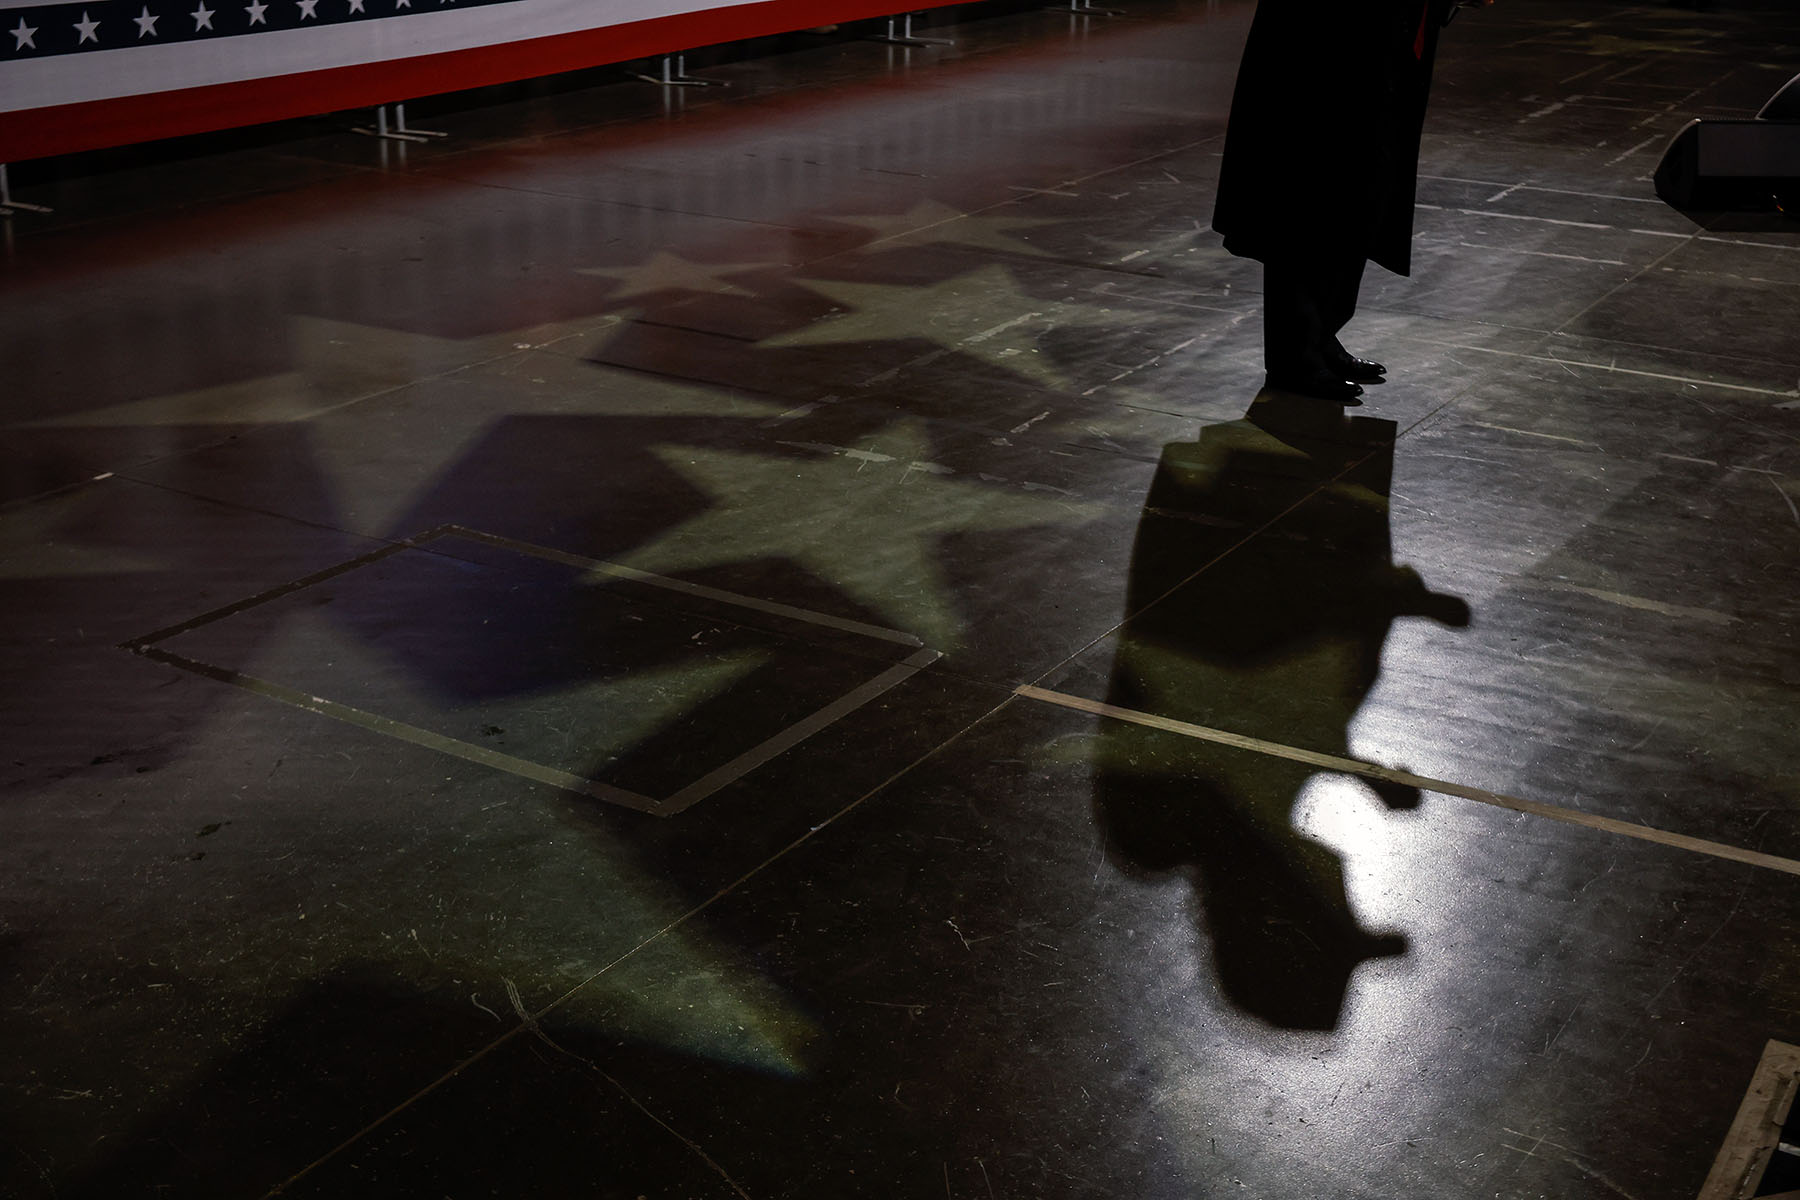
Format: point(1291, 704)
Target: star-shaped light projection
point(308, 10)
point(334, 362)
point(356, 6)
point(1581, 40)
point(88, 28)
point(146, 23)
point(983, 314)
point(23, 35)
point(665, 272)
point(929, 221)
point(256, 11)
point(868, 521)
point(691, 993)
point(55, 540)
point(202, 18)
point(337, 362)
point(290, 396)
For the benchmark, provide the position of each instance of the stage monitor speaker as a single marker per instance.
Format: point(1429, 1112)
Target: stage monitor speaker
point(1786, 104)
point(1731, 164)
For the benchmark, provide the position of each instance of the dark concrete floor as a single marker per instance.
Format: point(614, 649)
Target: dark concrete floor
point(513, 647)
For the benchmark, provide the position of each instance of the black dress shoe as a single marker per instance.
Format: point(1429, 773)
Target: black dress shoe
point(1358, 370)
point(1319, 386)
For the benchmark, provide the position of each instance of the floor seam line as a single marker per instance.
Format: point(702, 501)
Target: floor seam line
point(1374, 771)
point(1562, 330)
point(699, 1151)
point(529, 1024)
point(1349, 469)
point(395, 1111)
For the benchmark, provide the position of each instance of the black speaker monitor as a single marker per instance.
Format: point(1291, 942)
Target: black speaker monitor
point(1786, 104)
point(1730, 164)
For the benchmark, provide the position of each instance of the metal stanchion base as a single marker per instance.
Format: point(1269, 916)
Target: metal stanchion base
point(906, 37)
point(398, 131)
point(676, 75)
point(8, 206)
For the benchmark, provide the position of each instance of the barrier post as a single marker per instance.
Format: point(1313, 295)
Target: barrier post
point(8, 205)
point(400, 131)
point(674, 74)
point(906, 37)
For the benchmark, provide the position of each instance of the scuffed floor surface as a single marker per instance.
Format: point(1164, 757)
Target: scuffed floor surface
point(761, 642)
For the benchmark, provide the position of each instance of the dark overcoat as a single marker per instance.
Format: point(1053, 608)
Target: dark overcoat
point(1322, 149)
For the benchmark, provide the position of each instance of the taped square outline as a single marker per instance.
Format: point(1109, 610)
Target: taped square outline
point(681, 800)
point(1744, 1158)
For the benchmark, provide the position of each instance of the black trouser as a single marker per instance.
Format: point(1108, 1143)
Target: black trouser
point(1305, 303)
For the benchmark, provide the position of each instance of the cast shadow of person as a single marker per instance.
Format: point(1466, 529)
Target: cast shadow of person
point(1261, 591)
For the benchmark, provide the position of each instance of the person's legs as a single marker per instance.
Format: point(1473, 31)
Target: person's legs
point(1305, 302)
point(1341, 284)
point(1292, 322)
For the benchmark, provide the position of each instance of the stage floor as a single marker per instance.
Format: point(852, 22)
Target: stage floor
point(762, 641)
